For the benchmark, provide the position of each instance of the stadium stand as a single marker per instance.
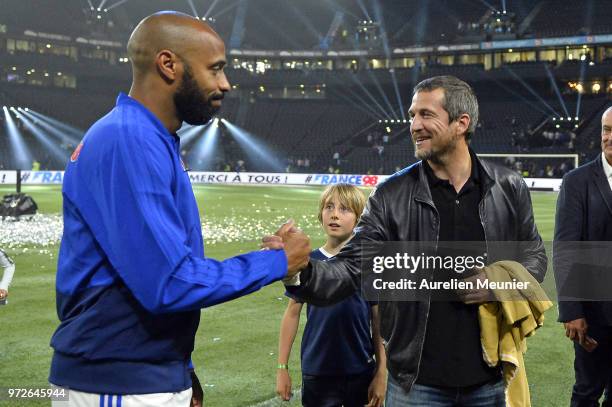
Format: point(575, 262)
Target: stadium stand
point(320, 112)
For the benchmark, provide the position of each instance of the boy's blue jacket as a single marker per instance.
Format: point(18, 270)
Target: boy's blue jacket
point(132, 276)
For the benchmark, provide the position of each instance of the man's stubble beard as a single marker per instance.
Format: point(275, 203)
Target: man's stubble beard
point(435, 156)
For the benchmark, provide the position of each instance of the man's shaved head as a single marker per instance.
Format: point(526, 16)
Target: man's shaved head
point(168, 30)
point(177, 63)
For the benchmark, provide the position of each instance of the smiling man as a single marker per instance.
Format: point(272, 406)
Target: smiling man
point(132, 275)
point(433, 348)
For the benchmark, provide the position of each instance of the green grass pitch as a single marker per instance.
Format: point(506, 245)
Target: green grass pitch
point(236, 345)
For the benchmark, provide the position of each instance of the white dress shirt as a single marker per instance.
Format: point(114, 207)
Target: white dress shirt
point(607, 169)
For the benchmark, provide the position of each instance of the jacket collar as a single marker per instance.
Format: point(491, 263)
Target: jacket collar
point(423, 193)
point(124, 99)
point(601, 180)
point(486, 174)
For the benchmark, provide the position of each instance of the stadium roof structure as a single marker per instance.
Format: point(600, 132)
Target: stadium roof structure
point(320, 24)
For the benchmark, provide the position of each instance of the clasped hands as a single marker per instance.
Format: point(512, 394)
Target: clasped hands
point(294, 242)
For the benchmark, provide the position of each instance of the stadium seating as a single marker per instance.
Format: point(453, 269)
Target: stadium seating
point(515, 98)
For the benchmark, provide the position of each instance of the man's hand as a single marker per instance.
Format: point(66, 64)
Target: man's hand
point(3, 294)
point(475, 295)
point(295, 243)
point(283, 384)
point(576, 330)
point(272, 242)
point(377, 389)
point(197, 394)
point(275, 242)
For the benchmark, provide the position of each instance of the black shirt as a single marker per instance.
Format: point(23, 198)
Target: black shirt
point(452, 353)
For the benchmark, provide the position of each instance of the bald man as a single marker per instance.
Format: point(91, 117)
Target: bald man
point(132, 275)
point(584, 213)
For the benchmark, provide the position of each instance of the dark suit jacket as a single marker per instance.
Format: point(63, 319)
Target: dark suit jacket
point(584, 214)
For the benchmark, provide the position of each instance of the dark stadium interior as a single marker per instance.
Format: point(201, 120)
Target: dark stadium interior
point(326, 84)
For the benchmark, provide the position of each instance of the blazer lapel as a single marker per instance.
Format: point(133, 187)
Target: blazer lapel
point(602, 183)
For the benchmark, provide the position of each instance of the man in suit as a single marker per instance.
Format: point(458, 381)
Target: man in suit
point(584, 214)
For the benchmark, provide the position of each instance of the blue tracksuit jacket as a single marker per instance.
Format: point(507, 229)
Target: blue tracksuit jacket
point(132, 276)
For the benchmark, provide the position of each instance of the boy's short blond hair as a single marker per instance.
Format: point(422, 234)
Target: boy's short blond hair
point(348, 195)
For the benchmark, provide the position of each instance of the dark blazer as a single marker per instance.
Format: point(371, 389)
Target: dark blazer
point(584, 213)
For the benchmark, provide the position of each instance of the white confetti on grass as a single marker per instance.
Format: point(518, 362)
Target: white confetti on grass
point(245, 228)
point(42, 230)
point(39, 230)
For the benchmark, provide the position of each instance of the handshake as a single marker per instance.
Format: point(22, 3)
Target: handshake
point(294, 242)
